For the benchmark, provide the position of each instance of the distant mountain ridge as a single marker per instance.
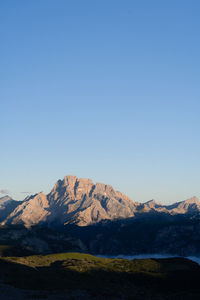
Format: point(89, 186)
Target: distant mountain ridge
point(7, 206)
point(81, 202)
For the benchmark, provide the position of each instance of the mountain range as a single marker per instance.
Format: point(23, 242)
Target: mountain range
point(79, 215)
point(81, 202)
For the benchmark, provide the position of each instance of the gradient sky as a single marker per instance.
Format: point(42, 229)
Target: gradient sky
point(107, 89)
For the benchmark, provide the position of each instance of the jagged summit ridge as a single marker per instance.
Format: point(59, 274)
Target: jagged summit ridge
point(73, 200)
point(80, 201)
point(85, 202)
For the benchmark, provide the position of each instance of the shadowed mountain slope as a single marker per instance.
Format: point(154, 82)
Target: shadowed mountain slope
point(7, 205)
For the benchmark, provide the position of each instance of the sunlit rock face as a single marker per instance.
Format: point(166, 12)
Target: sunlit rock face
point(82, 202)
point(79, 201)
point(188, 206)
point(73, 200)
point(29, 212)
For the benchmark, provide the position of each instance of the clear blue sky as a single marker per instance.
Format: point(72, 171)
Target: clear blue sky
point(108, 90)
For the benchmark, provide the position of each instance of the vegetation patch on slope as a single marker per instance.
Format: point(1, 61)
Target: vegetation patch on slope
point(104, 277)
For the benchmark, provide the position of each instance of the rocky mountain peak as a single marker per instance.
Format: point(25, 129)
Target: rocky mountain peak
point(5, 199)
point(73, 200)
point(150, 205)
point(184, 207)
point(71, 187)
point(192, 200)
point(152, 201)
point(7, 205)
point(69, 180)
point(82, 202)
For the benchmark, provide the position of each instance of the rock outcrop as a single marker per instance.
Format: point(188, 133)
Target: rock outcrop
point(30, 212)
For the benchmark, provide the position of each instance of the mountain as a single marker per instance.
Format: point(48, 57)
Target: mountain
point(189, 206)
point(81, 202)
point(5, 200)
point(7, 205)
point(75, 201)
point(79, 215)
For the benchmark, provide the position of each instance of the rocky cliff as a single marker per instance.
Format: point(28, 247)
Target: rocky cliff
point(82, 202)
point(73, 200)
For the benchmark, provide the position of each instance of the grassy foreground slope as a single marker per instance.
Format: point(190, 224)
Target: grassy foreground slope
point(174, 278)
